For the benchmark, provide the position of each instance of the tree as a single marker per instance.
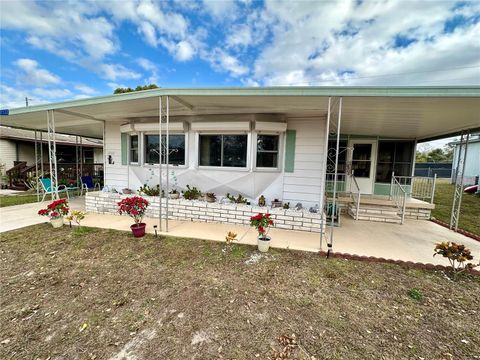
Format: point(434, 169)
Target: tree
point(435, 155)
point(138, 88)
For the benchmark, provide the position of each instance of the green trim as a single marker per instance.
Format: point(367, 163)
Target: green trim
point(290, 151)
point(124, 148)
point(354, 91)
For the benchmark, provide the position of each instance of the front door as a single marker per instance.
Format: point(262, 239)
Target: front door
point(361, 159)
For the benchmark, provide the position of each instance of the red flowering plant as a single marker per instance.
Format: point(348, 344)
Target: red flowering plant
point(134, 207)
point(261, 222)
point(56, 209)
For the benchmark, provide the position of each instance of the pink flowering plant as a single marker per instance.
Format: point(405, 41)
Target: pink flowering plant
point(262, 223)
point(135, 207)
point(56, 209)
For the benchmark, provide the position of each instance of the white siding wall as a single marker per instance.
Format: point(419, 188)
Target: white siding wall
point(472, 165)
point(116, 175)
point(305, 183)
point(8, 153)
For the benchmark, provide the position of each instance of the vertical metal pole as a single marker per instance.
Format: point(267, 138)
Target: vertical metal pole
point(36, 167)
point(52, 153)
point(167, 152)
point(41, 153)
point(76, 162)
point(334, 201)
point(160, 162)
point(433, 188)
point(81, 156)
point(324, 180)
point(458, 192)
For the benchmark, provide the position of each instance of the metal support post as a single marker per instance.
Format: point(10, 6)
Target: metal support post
point(160, 160)
point(167, 157)
point(36, 167)
point(52, 153)
point(323, 185)
point(334, 200)
point(459, 172)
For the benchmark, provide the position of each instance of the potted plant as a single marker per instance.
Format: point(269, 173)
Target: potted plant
point(56, 210)
point(135, 207)
point(262, 201)
point(210, 197)
point(262, 223)
point(174, 194)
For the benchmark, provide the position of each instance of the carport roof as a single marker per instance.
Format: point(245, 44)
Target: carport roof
point(402, 112)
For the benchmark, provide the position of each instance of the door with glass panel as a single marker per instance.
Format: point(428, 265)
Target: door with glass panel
point(362, 163)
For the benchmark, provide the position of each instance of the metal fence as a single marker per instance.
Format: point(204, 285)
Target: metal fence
point(443, 170)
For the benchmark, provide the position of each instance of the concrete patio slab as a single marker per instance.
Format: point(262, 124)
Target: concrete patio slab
point(413, 241)
point(19, 216)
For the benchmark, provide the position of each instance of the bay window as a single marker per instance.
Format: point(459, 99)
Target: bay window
point(176, 149)
point(223, 150)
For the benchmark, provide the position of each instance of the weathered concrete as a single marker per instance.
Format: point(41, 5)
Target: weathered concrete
point(18, 216)
point(413, 241)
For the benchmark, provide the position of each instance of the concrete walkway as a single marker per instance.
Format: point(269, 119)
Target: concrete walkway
point(413, 241)
point(18, 216)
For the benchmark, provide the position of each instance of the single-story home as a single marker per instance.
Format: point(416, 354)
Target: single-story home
point(472, 162)
point(17, 149)
point(295, 144)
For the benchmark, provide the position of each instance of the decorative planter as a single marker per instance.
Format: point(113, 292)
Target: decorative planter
point(210, 199)
point(263, 243)
point(174, 195)
point(138, 230)
point(126, 191)
point(57, 222)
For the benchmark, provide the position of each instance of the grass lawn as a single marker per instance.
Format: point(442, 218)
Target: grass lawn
point(470, 210)
point(98, 293)
point(10, 200)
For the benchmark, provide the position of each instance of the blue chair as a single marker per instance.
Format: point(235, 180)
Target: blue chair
point(88, 184)
point(48, 189)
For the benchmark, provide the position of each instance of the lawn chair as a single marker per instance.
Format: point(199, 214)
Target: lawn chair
point(88, 184)
point(48, 189)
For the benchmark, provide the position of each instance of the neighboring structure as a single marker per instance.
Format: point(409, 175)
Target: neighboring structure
point(17, 147)
point(472, 163)
point(321, 146)
point(441, 169)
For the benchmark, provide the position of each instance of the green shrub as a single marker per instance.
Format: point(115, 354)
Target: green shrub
point(237, 200)
point(150, 191)
point(192, 193)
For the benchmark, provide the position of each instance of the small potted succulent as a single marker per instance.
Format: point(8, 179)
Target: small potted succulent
point(277, 203)
point(56, 210)
point(262, 201)
point(174, 194)
point(135, 207)
point(210, 197)
point(262, 223)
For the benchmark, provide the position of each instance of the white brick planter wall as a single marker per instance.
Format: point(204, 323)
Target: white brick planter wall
point(202, 211)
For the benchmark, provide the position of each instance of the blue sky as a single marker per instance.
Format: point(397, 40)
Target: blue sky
point(58, 50)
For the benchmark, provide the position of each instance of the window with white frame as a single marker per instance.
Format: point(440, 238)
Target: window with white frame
point(133, 149)
point(223, 150)
point(267, 151)
point(176, 145)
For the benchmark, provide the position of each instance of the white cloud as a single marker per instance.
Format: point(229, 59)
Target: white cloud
point(33, 74)
point(51, 93)
point(85, 89)
point(184, 51)
point(114, 72)
point(224, 62)
point(354, 44)
point(221, 9)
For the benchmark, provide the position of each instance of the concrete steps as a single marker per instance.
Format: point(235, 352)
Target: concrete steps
point(377, 213)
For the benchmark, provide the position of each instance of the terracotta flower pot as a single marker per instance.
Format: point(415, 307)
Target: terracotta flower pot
point(57, 222)
point(263, 243)
point(138, 230)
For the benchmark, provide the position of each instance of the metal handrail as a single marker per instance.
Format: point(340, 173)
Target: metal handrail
point(419, 187)
point(399, 196)
point(355, 195)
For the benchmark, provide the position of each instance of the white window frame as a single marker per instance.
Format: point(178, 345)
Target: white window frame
point(150, 165)
point(129, 147)
point(281, 140)
point(223, 168)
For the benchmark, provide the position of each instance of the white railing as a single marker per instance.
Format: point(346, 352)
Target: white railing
point(418, 187)
point(398, 195)
point(329, 182)
point(355, 194)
